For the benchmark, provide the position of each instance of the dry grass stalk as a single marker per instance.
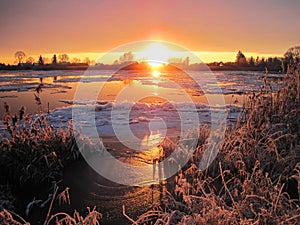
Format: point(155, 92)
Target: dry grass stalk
point(255, 178)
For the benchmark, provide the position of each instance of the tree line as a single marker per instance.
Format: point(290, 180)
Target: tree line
point(280, 64)
point(290, 57)
point(21, 58)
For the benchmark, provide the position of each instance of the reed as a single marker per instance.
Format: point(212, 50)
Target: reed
point(32, 152)
point(255, 178)
point(61, 218)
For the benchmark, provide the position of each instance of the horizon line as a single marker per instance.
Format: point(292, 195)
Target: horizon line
point(204, 56)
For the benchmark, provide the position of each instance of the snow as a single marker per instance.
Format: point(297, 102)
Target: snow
point(141, 118)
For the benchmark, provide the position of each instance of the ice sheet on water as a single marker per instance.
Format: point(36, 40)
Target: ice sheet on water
point(139, 116)
point(29, 86)
point(17, 87)
point(83, 102)
point(84, 79)
point(20, 75)
point(8, 96)
point(226, 82)
point(63, 75)
point(142, 118)
point(229, 82)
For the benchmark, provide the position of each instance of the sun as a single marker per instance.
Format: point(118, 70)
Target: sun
point(155, 73)
point(156, 53)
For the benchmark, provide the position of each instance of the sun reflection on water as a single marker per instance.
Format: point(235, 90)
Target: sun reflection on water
point(156, 73)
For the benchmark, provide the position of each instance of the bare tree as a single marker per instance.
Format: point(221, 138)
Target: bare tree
point(76, 60)
point(292, 53)
point(175, 60)
point(186, 62)
point(87, 61)
point(46, 60)
point(126, 57)
point(19, 55)
point(63, 58)
point(179, 61)
point(251, 61)
point(30, 60)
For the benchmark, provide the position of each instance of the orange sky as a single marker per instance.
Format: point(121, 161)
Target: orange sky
point(72, 26)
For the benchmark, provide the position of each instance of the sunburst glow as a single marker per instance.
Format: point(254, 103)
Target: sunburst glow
point(155, 73)
point(155, 64)
point(157, 53)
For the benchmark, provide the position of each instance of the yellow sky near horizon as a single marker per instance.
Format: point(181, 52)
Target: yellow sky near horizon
point(205, 57)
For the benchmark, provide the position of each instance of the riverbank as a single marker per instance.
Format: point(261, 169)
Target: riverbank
point(144, 66)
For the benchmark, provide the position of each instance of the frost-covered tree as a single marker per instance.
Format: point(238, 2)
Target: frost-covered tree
point(20, 55)
point(292, 53)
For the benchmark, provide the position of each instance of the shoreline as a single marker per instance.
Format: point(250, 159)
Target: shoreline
point(87, 188)
point(192, 67)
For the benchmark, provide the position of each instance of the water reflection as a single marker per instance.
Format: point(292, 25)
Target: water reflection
point(61, 85)
point(151, 140)
point(94, 189)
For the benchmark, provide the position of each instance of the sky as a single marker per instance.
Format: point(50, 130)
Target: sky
point(220, 27)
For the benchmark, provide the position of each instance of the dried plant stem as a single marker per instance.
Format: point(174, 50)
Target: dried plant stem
point(50, 207)
point(290, 219)
point(277, 199)
point(61, 214)
point(127, 217)
point(18, 216)
point(225, 186)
